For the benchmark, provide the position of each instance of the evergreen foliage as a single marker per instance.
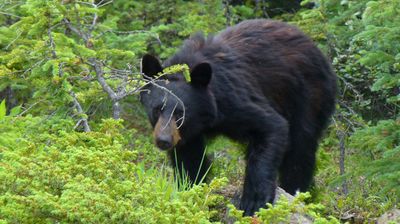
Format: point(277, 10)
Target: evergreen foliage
point(67, 66)
point(50, 173)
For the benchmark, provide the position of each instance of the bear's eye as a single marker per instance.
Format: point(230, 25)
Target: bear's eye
point(178, 114)
point(178, 117)
point(157, 111)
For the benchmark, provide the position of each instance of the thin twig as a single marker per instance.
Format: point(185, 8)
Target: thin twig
point(104, 4)
point(29, 69)
point(78, 107)
point(342, 136)
point(152, 81)
point(75, 30)
point(95, 17)
point(100, 78)
point(9, 14)
point(170, 116)
point(15, 39)
point(30, 107)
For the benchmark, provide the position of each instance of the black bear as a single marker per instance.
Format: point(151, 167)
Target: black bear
point(261, 82)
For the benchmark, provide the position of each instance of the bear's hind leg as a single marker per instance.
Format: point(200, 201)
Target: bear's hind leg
point(297, 168)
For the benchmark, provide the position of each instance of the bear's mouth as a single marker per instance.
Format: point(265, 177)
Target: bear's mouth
point(166, 133)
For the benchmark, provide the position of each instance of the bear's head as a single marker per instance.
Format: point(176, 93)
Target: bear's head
point(177, 110)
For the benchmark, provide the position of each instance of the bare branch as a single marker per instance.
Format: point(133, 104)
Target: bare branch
point(152, 81)
point(9, 14)
point(78, 107)
point(170, 116)
point(100, 78)
point(75, 30)
point(29, 69)
point(15, 39)
point(95, 17)
point(342, 136)
point(101, 4)
point(116, 110)
point(52, 44)
point(84, 3)
point(111, 93)
point(30, 107)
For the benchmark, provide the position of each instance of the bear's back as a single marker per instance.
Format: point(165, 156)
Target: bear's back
point(261, 33)
point(267, 59)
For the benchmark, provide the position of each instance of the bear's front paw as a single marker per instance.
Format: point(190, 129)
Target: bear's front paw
point(253, 202)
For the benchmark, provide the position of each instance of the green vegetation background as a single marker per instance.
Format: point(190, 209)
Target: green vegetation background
point(75, 146)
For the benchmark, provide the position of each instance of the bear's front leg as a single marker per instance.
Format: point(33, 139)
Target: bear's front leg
point(264, 156)
point(190, 161)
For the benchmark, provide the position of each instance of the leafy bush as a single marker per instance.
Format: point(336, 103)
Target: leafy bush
point(285, 211)
point(363, 45)
point(381, 144)
point(50, 173)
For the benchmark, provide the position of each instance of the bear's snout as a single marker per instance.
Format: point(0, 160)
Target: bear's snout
point(166, 133)
point(164, 142)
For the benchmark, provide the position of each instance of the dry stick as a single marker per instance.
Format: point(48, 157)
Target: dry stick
point(9, 14)
point(101, 4)
point(170, 116)
point(95, 17)
point(152, 81)
point(100, 78)
point(83, 120)
point(75, 30)
point(24, 72)
point(30, 107)
point(115, 96)
point(342, 137)
point(342, 147)
point(15, 39)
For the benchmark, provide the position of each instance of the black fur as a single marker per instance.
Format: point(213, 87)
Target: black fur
point(270, 87)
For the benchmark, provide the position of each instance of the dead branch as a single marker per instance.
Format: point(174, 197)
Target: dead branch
point(78, 107)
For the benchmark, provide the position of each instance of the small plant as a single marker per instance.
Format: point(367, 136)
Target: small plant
point(286, 211)
point(180, 68)
point(2, 109)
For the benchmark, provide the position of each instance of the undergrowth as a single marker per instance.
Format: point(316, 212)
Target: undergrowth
point(50, 173)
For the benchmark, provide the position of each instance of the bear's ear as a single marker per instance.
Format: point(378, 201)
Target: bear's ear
point(201, 74)
point(151, 66)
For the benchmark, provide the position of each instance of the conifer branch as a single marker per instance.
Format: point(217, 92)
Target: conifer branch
point(77, 105)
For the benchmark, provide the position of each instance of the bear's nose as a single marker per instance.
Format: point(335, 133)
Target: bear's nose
point(164, 142)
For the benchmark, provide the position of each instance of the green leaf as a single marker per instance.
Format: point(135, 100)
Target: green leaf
point(15, 111)
point(173, 69)
point(186, 73)
point(2, 109)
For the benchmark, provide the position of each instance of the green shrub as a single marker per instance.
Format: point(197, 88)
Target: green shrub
point(50, 173)
point(285, 209)
point(381, 145)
